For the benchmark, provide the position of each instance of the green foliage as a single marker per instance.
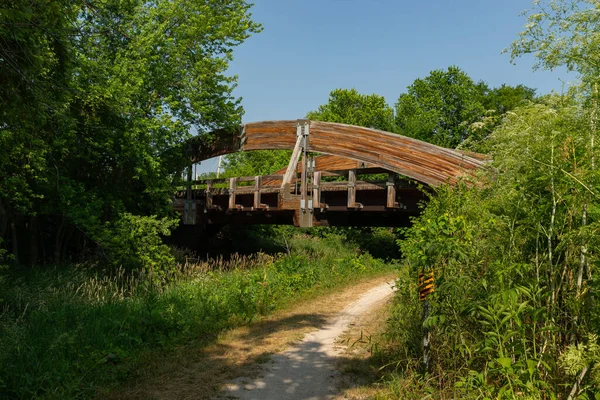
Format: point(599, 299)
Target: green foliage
point(513, 259)
point(578, 358)
point(404, 325)
point(73, 332)
point(449, 109)
point(440, 107)
point(506, 98)
point(379, 242)
point(135, 242)
point(3, 267)
point(252, 163)
point(95, 95)
point(562, 33)
point(510, 342)
point(352, 108)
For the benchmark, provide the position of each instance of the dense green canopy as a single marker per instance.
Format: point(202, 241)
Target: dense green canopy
point(92, 94)
point(353, 108)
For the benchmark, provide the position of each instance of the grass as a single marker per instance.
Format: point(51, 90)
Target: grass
point(74, 332)
point(362, 346)
point(381, 357)
point(199, 372)
point(387, 352)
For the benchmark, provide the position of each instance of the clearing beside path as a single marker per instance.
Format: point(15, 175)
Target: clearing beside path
point(290, 354)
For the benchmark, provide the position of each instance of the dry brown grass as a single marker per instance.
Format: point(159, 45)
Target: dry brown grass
point(358, 344)
point(198, 372)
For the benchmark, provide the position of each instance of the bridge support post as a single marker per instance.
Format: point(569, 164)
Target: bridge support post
point(391, 191)
point(232, 189)
point(257, 186)
point(316, 189)
point(352, 190)
point(209, 197)
point(293, 164)
point(189, 206)
point(305, 214)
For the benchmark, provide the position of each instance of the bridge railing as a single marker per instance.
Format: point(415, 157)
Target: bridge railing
point(321, 181)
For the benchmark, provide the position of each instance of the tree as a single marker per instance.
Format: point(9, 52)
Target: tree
point(496, 102)
point(251, 163)
point(563, 33)
point(92, 96)
point(567, 33)
point(440, 107)
point(350, 107)
point(506, 98)
point(344, 106)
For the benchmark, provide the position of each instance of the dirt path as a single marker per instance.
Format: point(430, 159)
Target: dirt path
point(238, 356)
point(308, 370)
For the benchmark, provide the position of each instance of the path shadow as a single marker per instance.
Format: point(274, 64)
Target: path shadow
point(307, 371)
point(312, 369)
point(198, 370)
point(256, 355)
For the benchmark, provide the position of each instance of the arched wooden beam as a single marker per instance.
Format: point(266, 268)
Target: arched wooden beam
point(413, 158)
point(328, 162)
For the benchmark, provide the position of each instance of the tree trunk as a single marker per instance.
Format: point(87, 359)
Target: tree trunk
point(3, 220)
point(33, 240)
point(14, 241)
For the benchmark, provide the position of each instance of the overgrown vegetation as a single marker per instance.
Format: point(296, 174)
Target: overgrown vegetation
point(72, 332)
point(515, 251)
point(514, 260)
point(96, 99)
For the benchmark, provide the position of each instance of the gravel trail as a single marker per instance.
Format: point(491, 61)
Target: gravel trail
point(307, 370)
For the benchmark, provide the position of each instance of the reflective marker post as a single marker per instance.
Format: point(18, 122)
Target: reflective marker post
point(426, 287)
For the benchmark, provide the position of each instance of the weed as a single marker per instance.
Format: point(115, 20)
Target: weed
point(75, 331)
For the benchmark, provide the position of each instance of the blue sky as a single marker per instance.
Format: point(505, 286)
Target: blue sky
point(310, 47)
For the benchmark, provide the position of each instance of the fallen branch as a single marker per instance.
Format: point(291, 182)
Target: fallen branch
point(575, 389)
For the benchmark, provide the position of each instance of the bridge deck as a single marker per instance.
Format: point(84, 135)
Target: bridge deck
point(242, 201)
point(344, 186)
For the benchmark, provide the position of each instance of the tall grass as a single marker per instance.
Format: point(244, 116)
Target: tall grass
point(73, 332)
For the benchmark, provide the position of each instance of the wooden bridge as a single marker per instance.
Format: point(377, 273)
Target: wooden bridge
point(337, 175)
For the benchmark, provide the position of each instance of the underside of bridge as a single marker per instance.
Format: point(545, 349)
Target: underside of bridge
point(337, 175)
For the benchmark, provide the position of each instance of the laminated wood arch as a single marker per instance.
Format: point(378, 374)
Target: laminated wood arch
point(413, 158)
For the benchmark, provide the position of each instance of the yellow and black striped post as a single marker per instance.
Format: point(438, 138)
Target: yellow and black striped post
point(426, 287)
point(426, 284)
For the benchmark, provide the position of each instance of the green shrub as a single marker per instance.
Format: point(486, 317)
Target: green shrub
point(68, 332)
point(135, 242)
point(515, 258)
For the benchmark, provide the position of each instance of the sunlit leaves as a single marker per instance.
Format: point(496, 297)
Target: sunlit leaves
point(562, 33)
point(94, 93)
point(440, 108)
point(353, 108)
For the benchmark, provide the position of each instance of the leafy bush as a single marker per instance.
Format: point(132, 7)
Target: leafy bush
point(68, 332)
point(134, 242)
point(513, 257)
